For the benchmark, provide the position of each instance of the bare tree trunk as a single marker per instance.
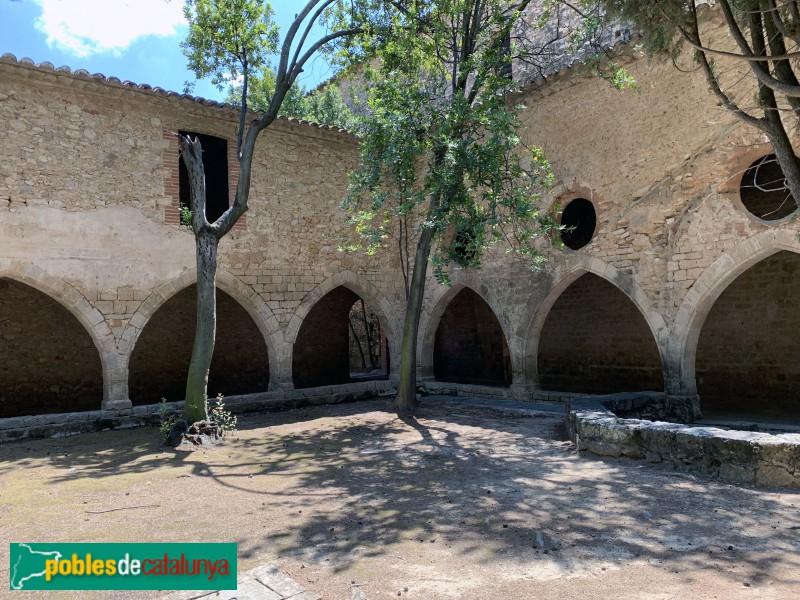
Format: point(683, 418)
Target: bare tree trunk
point(774, 127)
point(358, 342)
point(196, 405)
point(373, 362)
point(406, 401)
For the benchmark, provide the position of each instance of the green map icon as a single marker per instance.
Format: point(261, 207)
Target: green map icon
point(122, 566)
point(28, 564)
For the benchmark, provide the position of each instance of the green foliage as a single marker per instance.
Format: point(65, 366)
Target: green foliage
point(169, 418)
point(222, 417)
point(228, 39)
point(618, 77)
point(657, 22)
point(261, 88)
point(324, 105)
point(440, 148)
point(186, 216)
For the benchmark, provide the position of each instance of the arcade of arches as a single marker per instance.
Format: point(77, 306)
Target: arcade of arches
point(593, 340)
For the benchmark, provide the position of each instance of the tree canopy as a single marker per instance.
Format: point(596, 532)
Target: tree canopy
point(442, 165)
point(324, 105)
point(228, 40)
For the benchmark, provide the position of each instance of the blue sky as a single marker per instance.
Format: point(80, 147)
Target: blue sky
point(134, 40)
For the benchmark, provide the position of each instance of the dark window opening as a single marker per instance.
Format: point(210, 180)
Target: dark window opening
point(215, 163)
point(579, 221)
point(463, 250)
point(764, 192)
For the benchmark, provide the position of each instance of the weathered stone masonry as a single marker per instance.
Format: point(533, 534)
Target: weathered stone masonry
point(94, 260)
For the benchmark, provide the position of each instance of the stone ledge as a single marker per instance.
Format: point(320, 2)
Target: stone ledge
point(762, 459)
point(427, 388)
point(66, 424)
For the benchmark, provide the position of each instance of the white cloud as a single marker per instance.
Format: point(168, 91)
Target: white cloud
point(85, 27)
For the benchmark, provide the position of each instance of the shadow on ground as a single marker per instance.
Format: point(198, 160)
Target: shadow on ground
point(353, 484)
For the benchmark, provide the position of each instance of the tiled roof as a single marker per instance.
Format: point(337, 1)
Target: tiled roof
point(142, 87)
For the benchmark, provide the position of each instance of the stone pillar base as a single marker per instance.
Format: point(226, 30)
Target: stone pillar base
point(684, 408)
point(117, 404)
point(523, 391)
point(280, 386)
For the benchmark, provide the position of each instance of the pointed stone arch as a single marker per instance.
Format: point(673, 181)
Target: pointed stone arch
point(255, 306)
point(702, 296)
point(432, 313)
point(90, 319)
point(246, 298)
point(359, 287)
point(564, 276)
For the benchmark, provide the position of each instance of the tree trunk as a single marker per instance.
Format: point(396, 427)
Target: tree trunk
point(358, 343)
point(196, 406)
point(373, 361)
point(406, 401)
point(782, 145)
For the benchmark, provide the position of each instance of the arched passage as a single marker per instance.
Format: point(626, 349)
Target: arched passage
point(748, 353)
point(470, 346)
point(340, 340)
point(594, 340)
point(162, 353)
point(48, 361)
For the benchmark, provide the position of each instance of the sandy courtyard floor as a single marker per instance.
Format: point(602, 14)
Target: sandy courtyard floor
point(462, 502)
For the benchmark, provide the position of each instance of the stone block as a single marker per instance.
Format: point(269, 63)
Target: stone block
point(776, 476)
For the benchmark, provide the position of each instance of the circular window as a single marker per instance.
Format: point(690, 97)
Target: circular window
point(764, 192)
point(579, 221)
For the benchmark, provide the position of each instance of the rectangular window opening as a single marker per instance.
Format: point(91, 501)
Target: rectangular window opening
point(215, 163)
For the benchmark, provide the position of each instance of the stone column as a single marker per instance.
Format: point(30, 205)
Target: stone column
point(115, 384)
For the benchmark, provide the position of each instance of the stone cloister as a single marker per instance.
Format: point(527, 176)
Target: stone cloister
point(681, 274)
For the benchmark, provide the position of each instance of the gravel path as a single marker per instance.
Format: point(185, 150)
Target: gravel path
point(463, 501)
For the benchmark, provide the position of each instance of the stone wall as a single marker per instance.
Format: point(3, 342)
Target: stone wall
point(595, 341)
point(747, 355)
point(48, 363)
point(470, 346)
point(764, 459)
point(89, 193)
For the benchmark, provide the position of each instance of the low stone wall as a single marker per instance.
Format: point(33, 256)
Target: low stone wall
point(763, 459)
point(66, 424)
point(446, 388)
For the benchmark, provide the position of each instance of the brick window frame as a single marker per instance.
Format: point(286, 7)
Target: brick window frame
point(172, 190)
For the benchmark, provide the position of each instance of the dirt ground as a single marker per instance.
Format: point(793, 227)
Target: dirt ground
point(461, 502)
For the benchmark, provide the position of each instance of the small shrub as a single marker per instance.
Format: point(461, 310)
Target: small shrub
point(222, 417)
point(169, 418)
point(186, 216)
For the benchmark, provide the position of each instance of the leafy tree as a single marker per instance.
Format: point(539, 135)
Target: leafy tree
point(227, 40)
point(441, 161)
point(324, 105)
point(766, 34)
point(260, 90)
